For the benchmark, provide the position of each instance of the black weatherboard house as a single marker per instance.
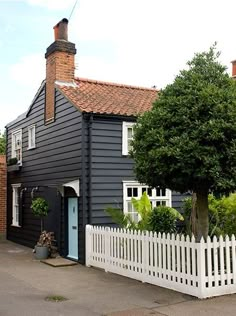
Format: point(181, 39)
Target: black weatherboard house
point(72, 149)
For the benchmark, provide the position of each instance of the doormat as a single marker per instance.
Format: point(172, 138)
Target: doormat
point(59, 262)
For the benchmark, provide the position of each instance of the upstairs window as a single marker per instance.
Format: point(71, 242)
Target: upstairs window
point(31, 137)
point(132, 189)
point(17, 146)
point(127, 137)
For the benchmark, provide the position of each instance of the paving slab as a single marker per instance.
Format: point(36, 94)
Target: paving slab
point(25, 283)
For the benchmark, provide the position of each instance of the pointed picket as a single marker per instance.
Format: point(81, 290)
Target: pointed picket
point(216, 261)
point(182, 242)
point(155, 255)
point(178, 258)
point(188, 261)
point(168, 246)
point(227, 258)
point(233, 245)
point(139, 247)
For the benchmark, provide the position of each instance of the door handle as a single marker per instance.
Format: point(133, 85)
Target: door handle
point(74, 227)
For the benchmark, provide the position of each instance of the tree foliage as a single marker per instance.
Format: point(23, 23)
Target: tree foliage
point(3, 143)
point(188, 140)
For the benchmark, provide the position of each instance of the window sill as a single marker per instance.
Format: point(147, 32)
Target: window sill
point(14, 225)
point(29, 148)
point(125, 154)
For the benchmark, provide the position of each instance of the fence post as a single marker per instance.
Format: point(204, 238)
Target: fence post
point(107, 248)
point(201, 257)
point(145, 255)
point(88, 230)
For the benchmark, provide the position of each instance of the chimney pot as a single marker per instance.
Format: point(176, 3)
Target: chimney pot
point(61, 30)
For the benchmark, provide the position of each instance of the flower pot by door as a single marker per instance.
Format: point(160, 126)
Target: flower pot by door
point(41, 252)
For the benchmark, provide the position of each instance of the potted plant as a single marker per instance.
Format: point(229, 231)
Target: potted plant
point(40, 208)
point(45, 245)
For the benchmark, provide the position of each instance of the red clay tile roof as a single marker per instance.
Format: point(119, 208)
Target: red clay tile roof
point(108, 98)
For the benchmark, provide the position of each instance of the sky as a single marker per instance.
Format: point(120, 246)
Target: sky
point(136, 42)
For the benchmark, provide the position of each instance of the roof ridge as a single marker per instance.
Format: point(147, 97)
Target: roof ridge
point(121, 85)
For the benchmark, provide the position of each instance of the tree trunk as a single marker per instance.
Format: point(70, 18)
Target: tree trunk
point(193, 216)
point(41, 223)
point(202, 212)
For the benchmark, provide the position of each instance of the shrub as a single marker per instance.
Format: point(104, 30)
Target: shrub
point(164, 219)
point(142, 206)
point(161, 219)
point(222, 215)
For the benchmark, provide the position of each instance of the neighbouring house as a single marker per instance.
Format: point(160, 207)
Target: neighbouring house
point(3, 196)
point(72, 148)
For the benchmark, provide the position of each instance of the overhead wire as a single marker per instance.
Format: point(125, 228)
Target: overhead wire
point(73, 9)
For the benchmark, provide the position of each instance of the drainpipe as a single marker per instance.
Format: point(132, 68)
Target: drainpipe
point(83, 167)
point(90, 135)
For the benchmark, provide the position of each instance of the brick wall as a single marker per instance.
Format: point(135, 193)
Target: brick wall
point(60, 66)
point(3, 196)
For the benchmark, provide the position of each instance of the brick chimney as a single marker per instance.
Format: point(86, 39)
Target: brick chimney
point(233, 69)
point(60, 66)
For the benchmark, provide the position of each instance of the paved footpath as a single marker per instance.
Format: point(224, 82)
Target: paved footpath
point(26, 282)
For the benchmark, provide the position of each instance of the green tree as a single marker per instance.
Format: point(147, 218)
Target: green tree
point(3, 143)
point(188, 140)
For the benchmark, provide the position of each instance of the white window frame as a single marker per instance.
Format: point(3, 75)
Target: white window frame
point(31, 130)
point(166, 200)
point(125, 127)
point(15, 205)
point(14, 147)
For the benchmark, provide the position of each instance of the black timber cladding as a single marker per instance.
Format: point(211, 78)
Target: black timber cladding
point(55, 160)
point(109, 168)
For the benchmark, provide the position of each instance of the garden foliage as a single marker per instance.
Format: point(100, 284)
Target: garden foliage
point(159, 219)
point(222, 215)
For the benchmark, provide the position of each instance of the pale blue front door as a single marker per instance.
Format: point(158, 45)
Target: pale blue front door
point(73, 228)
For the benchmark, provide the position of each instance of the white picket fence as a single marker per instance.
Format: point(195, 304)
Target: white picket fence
point(202, 269)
